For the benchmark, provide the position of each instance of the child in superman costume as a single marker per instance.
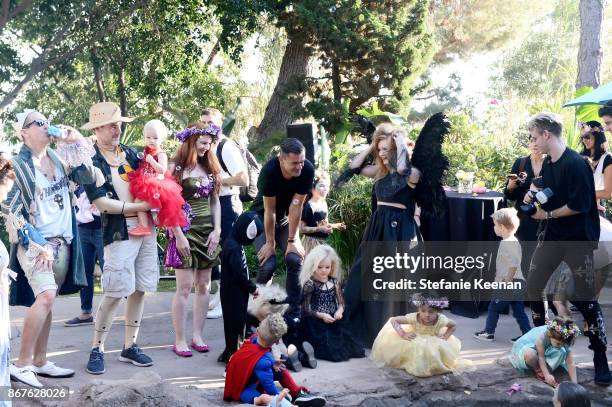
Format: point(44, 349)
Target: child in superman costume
point(252, 370)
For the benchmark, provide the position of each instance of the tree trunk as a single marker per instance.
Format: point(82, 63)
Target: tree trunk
point(213, 52)
point(99, 78)
point(294, 68)
point(121, 93)
point(336, 82)
point(590, 52)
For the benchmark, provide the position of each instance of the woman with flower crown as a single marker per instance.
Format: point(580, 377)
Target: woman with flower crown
point(546, 348)
point(194, 249)
point(421, 343)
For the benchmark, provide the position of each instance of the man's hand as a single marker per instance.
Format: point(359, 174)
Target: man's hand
point(295, 247)
point(266, 251)
point(45, 260)
point(528, 197)
point(539, 215)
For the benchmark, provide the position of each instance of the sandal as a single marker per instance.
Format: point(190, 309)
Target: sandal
point(182, 353)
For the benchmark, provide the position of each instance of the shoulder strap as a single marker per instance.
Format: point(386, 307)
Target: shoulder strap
point(220, 155)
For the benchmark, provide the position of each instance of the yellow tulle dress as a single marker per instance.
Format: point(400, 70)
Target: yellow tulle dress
point(426, 355)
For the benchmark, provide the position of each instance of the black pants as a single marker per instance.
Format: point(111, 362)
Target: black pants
point(231, 208)
point(579, 257)
point(234, 301)
point(294, 267)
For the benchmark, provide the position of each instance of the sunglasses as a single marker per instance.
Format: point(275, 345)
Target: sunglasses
point(587, 137)
point(38, 123)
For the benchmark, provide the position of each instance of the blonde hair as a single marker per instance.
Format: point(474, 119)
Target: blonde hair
point(272, 329)
point(158, 127)
point(316, 256)
point(507, 217)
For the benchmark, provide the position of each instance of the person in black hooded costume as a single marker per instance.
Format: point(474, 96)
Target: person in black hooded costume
point(235, 283)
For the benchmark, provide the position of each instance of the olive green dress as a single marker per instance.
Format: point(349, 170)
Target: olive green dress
point(201, 225)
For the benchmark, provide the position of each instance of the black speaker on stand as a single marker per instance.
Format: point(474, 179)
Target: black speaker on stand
point(305, 133)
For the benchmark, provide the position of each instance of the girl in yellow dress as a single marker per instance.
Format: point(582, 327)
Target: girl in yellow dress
point(421, 342)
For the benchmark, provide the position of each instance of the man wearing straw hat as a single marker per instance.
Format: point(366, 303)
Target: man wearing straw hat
point(131, 266)
point(45, 248)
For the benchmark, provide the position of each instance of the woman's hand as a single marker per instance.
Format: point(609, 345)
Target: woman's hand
point(213, 241)
point(338, 315)
point(182, 245)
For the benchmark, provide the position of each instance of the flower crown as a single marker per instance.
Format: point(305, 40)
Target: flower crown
point(212, 130)
point(438, 303)
point(566, 332)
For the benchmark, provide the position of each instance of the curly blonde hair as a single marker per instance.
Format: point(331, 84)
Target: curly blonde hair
point(272, 328)
point(316, 256)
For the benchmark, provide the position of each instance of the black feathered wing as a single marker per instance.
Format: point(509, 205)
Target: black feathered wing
point(429, 159)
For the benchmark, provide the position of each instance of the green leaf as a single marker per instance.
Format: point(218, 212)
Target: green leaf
point(585, 113)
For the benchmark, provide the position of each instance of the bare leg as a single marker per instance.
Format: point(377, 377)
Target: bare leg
point(33, 325)
point(200, 304)
point(40, 348)
point(104, 320)
point(184, 282)
point(133, 316)
point(562, 308)
point(531, 359)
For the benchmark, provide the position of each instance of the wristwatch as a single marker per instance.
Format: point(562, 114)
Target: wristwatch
point(549, 215)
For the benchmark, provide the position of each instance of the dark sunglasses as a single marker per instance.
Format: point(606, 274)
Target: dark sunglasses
point(586, 137)
point(38, 122)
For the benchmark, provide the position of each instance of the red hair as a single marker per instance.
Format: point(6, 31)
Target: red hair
point(187, 157)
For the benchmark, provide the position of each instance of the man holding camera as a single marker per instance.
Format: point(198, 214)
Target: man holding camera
point(569, 232)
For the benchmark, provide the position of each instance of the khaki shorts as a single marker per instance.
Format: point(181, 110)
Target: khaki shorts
point(131, 265)
point(40, 279)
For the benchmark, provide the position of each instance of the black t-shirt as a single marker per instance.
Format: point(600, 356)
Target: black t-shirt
point(271, 183)
point(312, 218)
point(571, 180)
point(607, 161)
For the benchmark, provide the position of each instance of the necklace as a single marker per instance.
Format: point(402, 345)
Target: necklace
point(114, 158)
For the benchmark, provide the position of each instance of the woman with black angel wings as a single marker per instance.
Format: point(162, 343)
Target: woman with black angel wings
point(402, 183)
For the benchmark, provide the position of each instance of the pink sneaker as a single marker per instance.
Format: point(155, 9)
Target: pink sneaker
point(139, 230)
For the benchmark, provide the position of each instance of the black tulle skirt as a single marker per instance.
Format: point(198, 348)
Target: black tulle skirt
point(333, 342)
point(365, 318)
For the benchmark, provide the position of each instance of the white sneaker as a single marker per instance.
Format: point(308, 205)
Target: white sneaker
point(215, 313)
point(50, 369)
point(215, 300)
point(24, 375)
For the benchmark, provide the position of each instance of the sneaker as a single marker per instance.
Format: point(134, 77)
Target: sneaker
point(24, 375)
point(513, 340)
point(134, 355)
point(50, 369)
point(76, 321)
point(96, 362)
point(304, 399)
point(139, 230)
point(484, 336)
point(293, 359)
point(308, 356)
point(215, 313)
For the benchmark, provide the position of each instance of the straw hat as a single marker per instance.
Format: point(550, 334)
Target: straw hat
point(104, 113)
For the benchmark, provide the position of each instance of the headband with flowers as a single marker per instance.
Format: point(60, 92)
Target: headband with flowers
point(438, 303)
point(212, 130)
point(566, 331)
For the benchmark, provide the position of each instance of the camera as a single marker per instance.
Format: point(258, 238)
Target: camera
point(539, 198)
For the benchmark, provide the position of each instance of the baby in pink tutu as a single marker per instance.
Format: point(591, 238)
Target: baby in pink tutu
point(152, 183)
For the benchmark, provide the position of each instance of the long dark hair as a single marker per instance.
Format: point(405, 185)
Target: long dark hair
point(187, 157)
point(572, 395)
point(597, 132)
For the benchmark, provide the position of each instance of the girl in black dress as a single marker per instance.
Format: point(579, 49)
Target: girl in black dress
point(391, 221)
point(314, 226)
point(323, 307)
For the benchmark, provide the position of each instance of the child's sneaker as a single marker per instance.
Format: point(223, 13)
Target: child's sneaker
point(484, 336)
point(139, 230)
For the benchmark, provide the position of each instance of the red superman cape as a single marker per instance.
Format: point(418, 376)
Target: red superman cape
point(240, 368)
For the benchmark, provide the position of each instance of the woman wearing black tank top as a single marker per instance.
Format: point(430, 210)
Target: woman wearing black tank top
point(392, 221)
